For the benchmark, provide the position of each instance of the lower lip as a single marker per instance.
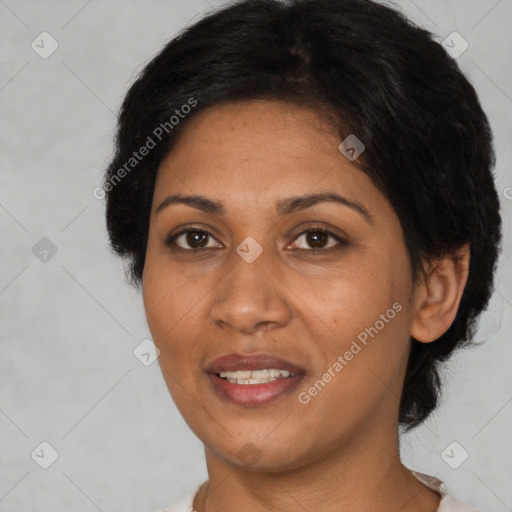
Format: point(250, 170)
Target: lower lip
point(253, 394)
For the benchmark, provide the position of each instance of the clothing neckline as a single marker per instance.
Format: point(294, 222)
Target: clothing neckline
point(429, 481)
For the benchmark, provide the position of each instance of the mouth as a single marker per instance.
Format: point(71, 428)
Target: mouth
point(253, 379)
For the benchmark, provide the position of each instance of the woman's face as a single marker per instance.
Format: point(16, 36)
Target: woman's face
point(247, 270)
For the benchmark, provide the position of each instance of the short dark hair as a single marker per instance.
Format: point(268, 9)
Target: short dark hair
point(369, 71)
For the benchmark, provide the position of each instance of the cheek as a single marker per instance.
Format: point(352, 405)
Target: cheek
point(365, 286)
point(170, 304)
point(364, 317)
point(169, 296)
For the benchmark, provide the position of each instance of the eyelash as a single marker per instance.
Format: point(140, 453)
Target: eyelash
point(341, 242)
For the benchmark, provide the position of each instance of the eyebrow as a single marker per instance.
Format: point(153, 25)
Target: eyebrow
point(284, 206)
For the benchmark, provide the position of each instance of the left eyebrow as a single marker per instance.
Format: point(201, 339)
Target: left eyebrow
point(293, 204)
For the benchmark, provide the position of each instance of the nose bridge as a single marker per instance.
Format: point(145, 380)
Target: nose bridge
point(250, 278)
point(250, 294)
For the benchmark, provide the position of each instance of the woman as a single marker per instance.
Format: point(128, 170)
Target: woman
point(304, 191)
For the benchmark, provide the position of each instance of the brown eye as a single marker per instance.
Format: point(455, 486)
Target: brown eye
point(318, 239)
point(191, 239)
point(196, 238)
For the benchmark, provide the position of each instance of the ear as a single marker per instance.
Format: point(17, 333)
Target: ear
point(438, 296)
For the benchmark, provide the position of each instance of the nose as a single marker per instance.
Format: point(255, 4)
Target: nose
point(251, 297)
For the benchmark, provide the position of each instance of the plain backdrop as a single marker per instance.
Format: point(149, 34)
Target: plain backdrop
point(69, 323)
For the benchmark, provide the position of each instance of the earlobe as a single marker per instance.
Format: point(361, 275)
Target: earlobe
point(439, 295)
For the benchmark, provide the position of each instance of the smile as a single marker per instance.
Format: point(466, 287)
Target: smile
point(252, 379)
point(250, 391)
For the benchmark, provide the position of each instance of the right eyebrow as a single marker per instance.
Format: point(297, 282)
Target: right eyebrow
point(198, 202)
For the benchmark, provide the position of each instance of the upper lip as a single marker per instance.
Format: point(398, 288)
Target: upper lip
point(235, 362)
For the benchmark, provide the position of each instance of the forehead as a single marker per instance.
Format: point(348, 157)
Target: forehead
point(260, 149)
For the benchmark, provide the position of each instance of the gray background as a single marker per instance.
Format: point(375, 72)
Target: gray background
point(69, 325)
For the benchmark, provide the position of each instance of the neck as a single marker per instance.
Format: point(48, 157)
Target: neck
point(355, 477)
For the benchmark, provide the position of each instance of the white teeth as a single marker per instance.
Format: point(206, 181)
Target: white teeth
point(242, 374)
point(250, 381)
point(255, 376)
point(259, 374)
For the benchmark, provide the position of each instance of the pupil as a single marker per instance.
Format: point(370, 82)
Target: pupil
point(196, 238)
point(316, 239)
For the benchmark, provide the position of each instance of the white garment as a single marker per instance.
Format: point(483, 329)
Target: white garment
point(447, 503)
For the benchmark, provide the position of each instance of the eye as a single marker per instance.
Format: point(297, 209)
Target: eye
point(191, 239)
point(317, 238)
